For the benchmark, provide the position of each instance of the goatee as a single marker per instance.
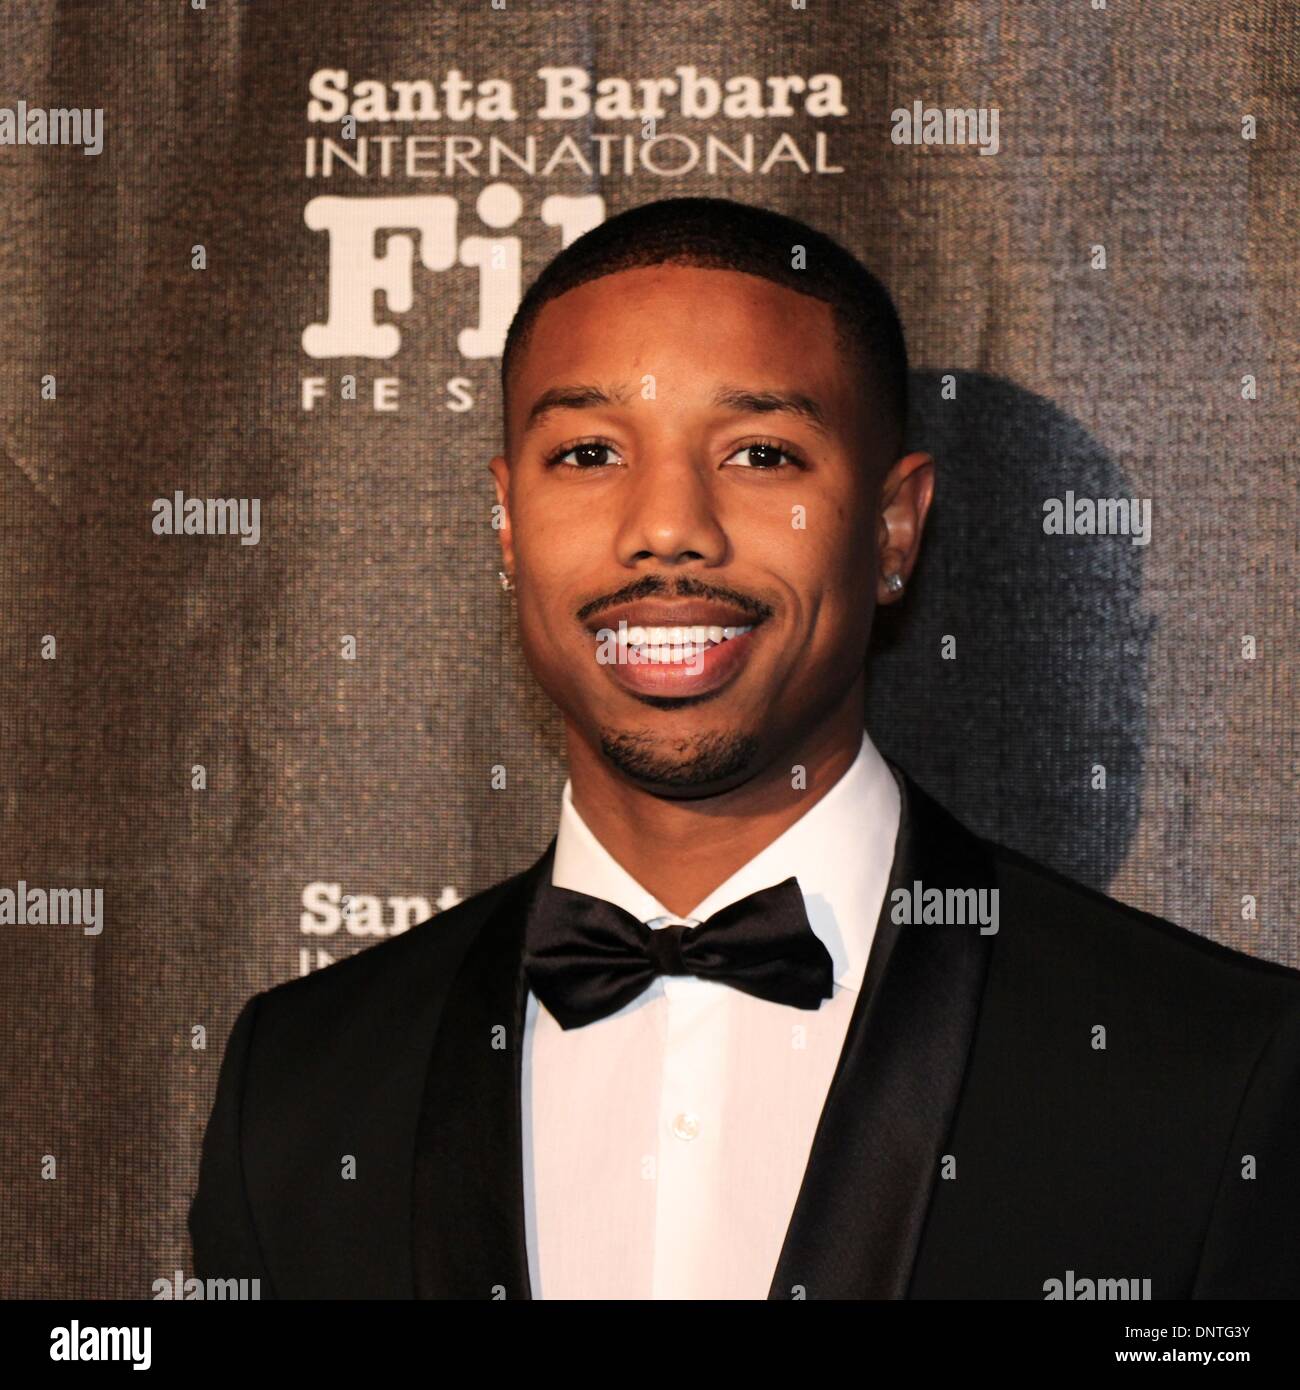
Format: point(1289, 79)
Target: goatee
point(698, 763)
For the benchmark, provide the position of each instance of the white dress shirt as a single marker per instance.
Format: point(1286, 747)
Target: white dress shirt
point(664, 1145)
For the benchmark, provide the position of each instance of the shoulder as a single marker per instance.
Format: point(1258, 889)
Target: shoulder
point(1178, 982)
point(379, 989)
point(1053, 898)
point(1065, 925)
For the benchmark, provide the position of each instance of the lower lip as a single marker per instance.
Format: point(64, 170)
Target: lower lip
point(701, 675)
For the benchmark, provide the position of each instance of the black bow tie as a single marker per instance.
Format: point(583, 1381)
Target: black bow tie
point(585, 958)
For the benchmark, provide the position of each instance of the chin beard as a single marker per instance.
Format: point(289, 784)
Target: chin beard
point(701, 763)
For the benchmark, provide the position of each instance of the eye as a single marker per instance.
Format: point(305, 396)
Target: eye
point(585, 455)
point(767, 456)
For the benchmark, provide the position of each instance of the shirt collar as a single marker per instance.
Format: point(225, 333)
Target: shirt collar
point(841, 850)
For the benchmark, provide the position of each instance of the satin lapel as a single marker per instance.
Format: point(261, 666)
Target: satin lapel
point(876, 1152)
point(468, 1200)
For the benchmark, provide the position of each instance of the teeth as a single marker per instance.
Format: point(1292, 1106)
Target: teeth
point(669, 655)
point(675, 645)
point(681, 636)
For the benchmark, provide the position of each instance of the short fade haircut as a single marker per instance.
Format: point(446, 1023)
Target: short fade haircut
point(719, 234)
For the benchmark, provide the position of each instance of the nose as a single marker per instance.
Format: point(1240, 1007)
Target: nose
point(670, 515)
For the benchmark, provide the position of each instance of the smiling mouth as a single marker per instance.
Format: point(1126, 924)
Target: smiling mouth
point(674, 664)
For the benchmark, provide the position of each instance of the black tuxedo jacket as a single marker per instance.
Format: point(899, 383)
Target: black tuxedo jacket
point(976, 1141)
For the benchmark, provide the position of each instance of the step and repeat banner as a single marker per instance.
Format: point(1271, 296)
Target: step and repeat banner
point(263, 705)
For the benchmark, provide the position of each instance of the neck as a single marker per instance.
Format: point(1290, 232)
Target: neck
point(681, 849)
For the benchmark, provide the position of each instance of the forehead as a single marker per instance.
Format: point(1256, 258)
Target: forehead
point(689, 327)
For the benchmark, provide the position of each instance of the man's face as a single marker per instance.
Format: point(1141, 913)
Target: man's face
point(695, 557)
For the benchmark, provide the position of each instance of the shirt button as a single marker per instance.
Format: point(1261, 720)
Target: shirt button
point(686, 1126)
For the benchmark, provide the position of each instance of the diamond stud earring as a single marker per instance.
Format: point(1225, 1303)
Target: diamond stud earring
point(894, 582)
point(507, 583)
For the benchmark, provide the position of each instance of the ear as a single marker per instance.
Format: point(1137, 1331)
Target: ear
point(905, 497)
point(501, 476)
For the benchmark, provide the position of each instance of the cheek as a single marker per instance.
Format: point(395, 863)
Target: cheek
point(836, 573)
point(548, 596)
point(558, 536)
point(549, 651)
point(833, 554)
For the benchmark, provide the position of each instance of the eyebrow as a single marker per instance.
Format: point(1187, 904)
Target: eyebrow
point(771, 402)
point(736, 398)
point(572, 398)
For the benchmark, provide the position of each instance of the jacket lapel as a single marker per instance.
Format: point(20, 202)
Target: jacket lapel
point(468, 1197)
point(889, 1109)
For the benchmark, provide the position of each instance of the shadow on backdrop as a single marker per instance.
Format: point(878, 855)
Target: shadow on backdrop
point(1048, 681)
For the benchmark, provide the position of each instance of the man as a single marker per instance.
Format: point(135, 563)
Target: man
point(763, 1020)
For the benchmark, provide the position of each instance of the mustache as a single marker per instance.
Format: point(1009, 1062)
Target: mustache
point(655, 586)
